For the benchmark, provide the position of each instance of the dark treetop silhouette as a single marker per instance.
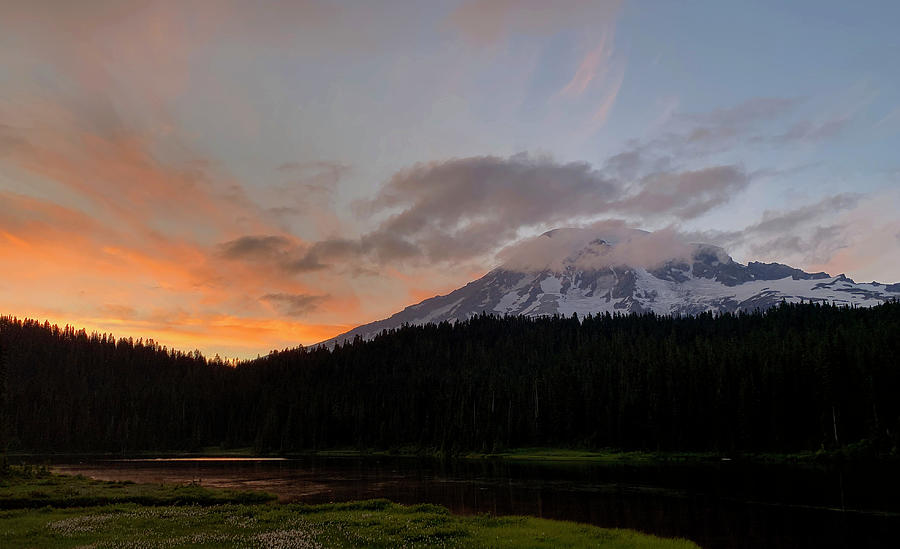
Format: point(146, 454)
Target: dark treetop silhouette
point(798, 377)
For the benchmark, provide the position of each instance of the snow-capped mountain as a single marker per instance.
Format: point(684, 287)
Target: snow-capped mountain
point(592, 278)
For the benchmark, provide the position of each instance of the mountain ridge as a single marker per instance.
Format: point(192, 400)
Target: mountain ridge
point(590, 279)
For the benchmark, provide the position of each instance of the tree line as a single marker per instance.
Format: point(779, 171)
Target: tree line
point(796, 377)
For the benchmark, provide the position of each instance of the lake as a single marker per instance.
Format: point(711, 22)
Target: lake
point(718, 504)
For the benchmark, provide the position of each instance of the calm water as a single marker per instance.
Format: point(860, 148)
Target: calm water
point(719, 505)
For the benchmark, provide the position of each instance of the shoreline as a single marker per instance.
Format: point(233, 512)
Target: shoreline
point(550, 455)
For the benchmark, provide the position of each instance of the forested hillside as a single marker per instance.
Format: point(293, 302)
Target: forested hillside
point(799, 377)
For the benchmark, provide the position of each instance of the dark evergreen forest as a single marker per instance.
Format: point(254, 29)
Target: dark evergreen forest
point(798, 377)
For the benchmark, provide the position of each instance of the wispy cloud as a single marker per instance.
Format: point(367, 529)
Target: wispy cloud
point(487, 21)
point(609, 100)
point(889, 118)
point(597, 81)
point(594, 66)
point(297, 305)
point(822, 235)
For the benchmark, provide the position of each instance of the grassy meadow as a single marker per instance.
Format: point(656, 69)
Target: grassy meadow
point(44, 510)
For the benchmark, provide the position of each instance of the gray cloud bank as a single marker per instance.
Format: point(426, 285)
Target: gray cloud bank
point(467, 209)
point(810, 233)
point(463, 211)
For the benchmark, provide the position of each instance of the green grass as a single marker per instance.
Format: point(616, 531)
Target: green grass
point(375, 523)
point(26, 486)
point(203, 518)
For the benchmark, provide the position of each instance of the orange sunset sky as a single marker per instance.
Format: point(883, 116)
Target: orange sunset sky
point(237, 177)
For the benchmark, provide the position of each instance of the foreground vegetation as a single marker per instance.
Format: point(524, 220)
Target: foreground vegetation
point(375, 523)
point(208, 518)
point(798, 378)
point(30, 487)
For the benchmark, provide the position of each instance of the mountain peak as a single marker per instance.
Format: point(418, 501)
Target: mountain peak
point(592, 249)
point(591, 271)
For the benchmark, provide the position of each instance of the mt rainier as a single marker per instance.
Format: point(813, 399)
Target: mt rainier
point(567, 271)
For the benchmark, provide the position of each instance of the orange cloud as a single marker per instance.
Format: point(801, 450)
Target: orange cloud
point(594, 66)
point(139, 239)
point(109, 217)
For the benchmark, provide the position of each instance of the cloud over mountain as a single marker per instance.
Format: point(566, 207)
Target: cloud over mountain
point(597, 246)
point(468, 208)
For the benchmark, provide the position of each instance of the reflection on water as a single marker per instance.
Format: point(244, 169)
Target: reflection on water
point(718, 505)
point(190, 459)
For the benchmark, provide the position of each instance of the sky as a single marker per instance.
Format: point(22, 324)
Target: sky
point(240, 176)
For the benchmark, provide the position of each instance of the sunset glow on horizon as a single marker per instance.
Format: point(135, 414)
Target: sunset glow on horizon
point(218, 176)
